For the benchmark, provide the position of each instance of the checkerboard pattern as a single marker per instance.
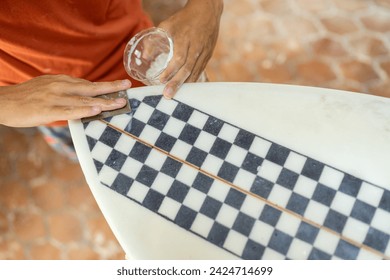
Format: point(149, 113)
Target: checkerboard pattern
point(286, 205)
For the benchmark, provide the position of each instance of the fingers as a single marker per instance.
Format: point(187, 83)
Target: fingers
point(87, 88)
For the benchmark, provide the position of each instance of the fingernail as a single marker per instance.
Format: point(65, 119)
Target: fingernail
point(96, 109)
point(126, 83)
point(120, 101)
point(168, 93)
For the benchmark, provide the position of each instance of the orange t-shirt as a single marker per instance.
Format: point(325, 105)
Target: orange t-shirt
point(81, 38)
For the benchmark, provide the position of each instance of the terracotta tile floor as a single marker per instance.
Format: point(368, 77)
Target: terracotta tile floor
point(46, 208)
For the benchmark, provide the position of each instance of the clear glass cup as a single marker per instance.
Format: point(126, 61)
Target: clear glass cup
point(147, 55)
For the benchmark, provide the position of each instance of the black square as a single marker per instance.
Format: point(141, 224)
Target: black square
point(253, 251)
point(323, 194)
point(297, 203)
point(185, 217)
point(134, 103)
point(312, 169)
point(196, 157)
point(244, 139)
point(235, 198)
point(363, 211)
point(277, 154)
point(210, 207)
point(287, 179)
point(316, 254)
point(251, 163)
point(228, 171)
point(220, 148)
point(98, 165)
point(280, 242)
point(270, 215)
point(136, 127)
point(307, 232)
point(213, 126)
point(182, 112)
point(122, 184)
point(153, 200)
point(110, 136)
point(178, 191)
point(346, 250)
point(165, 142)
point(243, 224)
point(385, 201)
point(115, 160)
point(350, 185)
point(171, 167)
point(335, 221)
point(377, 239)
point(158, 119)
point(261, 187)
point(152, 100)
point(203, 183)
point(91, 142)
point(146, 175)
point(140, 152)
point(218, 234)
point(189, 134)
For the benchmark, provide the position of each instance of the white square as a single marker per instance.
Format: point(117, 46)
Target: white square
point(122, 121)
point(101, 152)
point(228, 132)
point(299, 250)
point(331, 177)
point(205, 141)
point(260, 147)
point(355, 230)
point(181, 149)
point(316, 212)
point(370, 194)
point(95, 129)
point(107, 175)
point(252, 206)
point(279, 195)
point(162, 183)
point(305, 186)
point(167, 106)
point(381, 220)
point(187, 175)
point(198, 119)
point(125, 144)
point(270, 254)
point(261, 233)
point(143, 112)
point(236, 155)
point(169, 208)
point(368, 255)
point(202, 225)
point(150, 134)
point(219, 190)
point(227, 215)
point(138, 191)
point(269, 170)
point(194, 199)
point(174, 127)
point(343, 203)
point(131, 168)
point(244, 179)
point(288, 224)
point(326, 242)
point(212, 164)
point(295, 162)
point(155, 159)
point(235, 242)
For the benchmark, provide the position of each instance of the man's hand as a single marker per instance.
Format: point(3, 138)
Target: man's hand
point(50, 98)
point(194, 30)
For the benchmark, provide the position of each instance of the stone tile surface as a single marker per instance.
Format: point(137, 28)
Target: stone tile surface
point(46, 208)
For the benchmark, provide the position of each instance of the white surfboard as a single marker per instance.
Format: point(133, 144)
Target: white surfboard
point(243, 171)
